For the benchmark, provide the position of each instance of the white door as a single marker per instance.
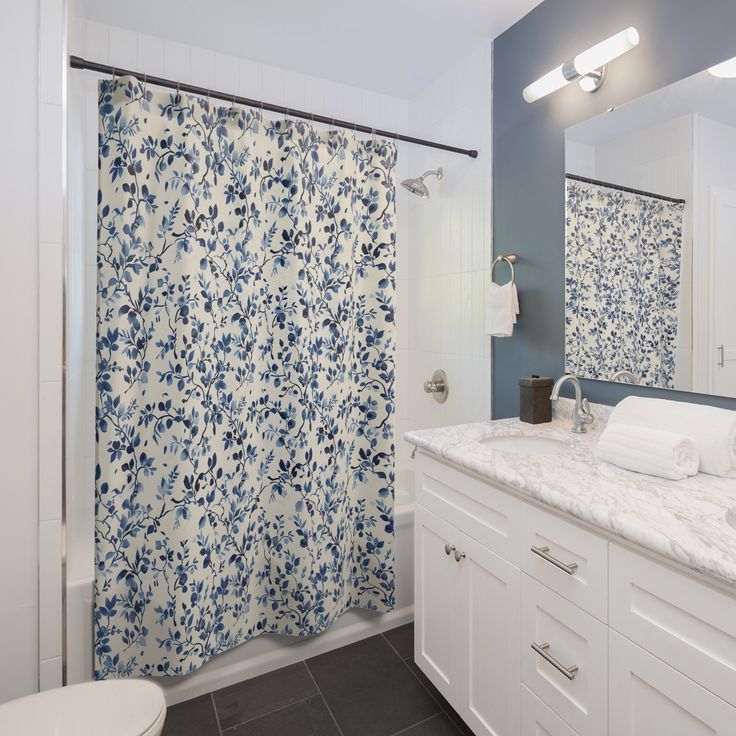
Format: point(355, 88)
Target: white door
point(439, 604)
point(649, 697)
point(491, 629)
point(723, 305)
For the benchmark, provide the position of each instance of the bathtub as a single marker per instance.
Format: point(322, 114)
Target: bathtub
point(265, 653)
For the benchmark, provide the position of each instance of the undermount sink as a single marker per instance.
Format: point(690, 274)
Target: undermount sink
point(526, 444)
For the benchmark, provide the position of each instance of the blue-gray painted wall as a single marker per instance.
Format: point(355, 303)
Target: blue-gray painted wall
point(678, 38)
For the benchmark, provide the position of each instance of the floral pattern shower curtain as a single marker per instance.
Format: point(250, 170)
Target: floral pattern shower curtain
point(622, 283)
point(245, 379)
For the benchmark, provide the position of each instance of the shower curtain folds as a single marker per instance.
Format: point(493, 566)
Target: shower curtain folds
point(245, 379)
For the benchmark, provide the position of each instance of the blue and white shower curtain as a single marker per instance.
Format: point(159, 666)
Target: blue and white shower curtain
point(623, 254)
point(245, 379)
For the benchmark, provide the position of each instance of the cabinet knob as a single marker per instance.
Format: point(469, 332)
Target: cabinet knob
point(459, 556)
point(449, 549)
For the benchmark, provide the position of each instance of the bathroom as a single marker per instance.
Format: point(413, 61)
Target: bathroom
point(628, 593)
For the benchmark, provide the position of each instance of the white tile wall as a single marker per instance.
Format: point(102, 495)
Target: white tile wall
point(450, 247)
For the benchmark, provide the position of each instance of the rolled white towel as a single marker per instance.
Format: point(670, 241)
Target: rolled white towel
point(712, 429)
point(651, 451)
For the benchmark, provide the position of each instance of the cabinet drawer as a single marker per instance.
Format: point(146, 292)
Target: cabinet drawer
point(684, 622)
point(488, 515)
point(577, 642)
point(650, 697)
point(567, 558)
point(538, 720)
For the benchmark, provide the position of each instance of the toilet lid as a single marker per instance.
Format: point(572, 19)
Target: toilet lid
point(112, 707)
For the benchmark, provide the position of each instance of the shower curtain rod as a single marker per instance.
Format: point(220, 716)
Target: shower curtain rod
point(621, 188)
point(77, 62)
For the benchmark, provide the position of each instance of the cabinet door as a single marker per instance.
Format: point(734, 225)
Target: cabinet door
point(491, 648)
point(649, 697)
point(439, 600)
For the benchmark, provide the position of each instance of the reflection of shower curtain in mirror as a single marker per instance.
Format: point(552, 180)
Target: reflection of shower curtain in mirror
point(245, 379)
point(622, 283)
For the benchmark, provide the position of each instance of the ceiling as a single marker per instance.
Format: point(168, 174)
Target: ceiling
point(391, 46)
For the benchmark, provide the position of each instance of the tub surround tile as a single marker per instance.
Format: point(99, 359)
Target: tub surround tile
point(682, 520)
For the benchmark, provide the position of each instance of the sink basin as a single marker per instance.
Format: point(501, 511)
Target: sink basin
point(526, 444)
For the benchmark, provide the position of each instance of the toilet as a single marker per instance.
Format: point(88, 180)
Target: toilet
point(112, 707)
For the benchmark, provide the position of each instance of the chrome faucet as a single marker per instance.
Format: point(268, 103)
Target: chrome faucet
point(623, 376)
point(581, 415)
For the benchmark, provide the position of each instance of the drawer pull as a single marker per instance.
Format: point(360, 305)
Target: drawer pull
point(543, 651)
point(543, 552)
point(449, 549)
point(459, 556)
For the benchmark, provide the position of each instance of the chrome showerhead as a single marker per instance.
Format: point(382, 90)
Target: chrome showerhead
point(417, 186)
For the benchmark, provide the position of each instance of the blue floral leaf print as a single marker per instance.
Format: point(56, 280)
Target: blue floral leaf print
point(244, 377)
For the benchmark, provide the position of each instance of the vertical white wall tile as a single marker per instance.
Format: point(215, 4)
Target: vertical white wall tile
point(274, 89)
point(50, 421)
point(227, 73)
point(203, 67)
point(20, 635)
point(151, 55)
point(49, 674)
point(251, 79)
point(177, 61)
point(50, 303)
point(51, 219)
point(49, 585)
point(124, 48)
point(51, 39)
point(295, 91)
point(98, 42)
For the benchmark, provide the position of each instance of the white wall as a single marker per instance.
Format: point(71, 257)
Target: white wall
point(19, 367)
point(450, 248)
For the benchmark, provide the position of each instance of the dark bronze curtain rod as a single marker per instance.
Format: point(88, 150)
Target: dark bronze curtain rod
point(621, 188)
point(76, 62)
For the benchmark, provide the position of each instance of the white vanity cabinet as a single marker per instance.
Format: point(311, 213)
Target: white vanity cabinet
point(532, 624)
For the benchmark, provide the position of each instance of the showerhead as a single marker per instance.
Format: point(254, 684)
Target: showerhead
point(417, 186)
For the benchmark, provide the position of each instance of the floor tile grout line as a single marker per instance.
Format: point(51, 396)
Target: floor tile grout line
point(431, 695)
point(418, 723)
point(217, 715)
point(324, 699)
point(265, 713)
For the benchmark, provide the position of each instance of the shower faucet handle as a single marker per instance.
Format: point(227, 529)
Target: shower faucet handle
point(437, 386)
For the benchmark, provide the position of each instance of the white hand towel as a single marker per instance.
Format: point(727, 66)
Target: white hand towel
point(502, 306)
point(651, 451)
point(712, 429)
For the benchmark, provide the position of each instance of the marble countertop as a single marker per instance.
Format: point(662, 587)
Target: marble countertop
point(686, 520)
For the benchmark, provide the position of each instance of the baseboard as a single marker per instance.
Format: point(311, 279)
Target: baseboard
point(267, 653)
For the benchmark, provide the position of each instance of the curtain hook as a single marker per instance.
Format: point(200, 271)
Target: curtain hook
point(232, 104)
point(113, 75)
point(145, 85)
point(178, 93)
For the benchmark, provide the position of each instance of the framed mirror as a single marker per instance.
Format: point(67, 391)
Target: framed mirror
point(650, 239)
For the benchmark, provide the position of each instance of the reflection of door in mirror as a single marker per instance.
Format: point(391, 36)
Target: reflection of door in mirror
point(722, 355)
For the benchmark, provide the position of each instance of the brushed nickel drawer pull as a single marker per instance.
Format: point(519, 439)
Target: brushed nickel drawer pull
point(543, 552)
point(543, 651)
point(449, 549)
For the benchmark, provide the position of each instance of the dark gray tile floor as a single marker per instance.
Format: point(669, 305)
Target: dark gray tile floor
point(370, 688)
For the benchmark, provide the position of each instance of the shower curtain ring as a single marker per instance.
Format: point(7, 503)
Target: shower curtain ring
point(178, 93)
point(145, 85)
point(113, 75)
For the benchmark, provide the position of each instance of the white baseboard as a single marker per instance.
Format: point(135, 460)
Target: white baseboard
point(271, 652)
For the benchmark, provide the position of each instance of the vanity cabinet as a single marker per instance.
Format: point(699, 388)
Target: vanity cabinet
point(530, 623)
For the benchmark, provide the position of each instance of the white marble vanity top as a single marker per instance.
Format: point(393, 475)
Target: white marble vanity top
point(683, 520)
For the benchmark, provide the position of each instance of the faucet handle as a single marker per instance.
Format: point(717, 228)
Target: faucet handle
point(586, 415)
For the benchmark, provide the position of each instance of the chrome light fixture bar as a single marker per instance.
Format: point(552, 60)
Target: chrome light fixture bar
point(724, 70)
point(589, 66)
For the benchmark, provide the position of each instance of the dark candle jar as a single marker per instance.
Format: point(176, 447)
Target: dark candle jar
point(535, 405)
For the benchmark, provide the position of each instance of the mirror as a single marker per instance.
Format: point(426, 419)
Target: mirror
point(650, 240)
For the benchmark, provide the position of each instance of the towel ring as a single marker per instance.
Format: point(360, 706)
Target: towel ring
point(510, 258)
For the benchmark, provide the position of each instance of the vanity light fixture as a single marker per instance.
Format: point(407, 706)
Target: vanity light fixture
point(724, 70)
point(589, 66)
